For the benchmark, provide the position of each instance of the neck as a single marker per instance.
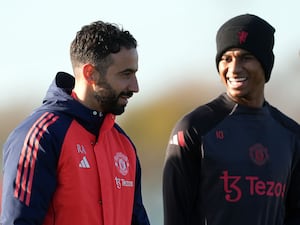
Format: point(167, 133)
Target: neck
point(253, 103)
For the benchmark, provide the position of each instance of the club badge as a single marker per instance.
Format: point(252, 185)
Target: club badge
point(121, 162)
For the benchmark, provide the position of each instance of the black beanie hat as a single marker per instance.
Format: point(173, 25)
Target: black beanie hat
point(250, 33)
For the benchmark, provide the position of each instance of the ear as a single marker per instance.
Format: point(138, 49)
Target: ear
point(88, 73)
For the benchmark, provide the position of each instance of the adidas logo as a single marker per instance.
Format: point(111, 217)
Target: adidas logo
point(84, 163)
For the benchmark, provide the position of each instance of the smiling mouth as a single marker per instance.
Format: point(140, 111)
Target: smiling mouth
point(237, 81)
point(124, 99)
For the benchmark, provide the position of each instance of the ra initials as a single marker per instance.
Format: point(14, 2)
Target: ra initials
point(80, 149)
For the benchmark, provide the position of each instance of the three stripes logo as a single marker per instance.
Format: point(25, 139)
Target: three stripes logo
point(178, 139)
point(84, 163)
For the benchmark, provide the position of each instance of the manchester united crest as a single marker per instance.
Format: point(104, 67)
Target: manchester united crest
point(121, 162)
point(259, 154)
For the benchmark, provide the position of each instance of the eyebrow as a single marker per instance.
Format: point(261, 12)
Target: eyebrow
point(128, 70)
point(240, 54)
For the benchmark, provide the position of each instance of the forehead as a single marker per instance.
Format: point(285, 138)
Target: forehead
point(125, 55)
point(237, 52)
point(125, 59)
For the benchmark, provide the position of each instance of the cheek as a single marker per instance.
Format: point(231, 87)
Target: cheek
point(222, 70)
point(224, 81)
point(258, 74)
point(118, 86)
point(222, 75)
point(258, 82)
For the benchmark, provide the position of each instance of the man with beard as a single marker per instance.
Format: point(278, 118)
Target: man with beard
point(69, 162)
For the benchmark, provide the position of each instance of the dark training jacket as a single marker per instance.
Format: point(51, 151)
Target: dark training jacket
point(227, 164)
point(69, 165)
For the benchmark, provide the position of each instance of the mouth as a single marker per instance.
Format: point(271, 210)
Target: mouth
point(124, 98)
point(236, 82)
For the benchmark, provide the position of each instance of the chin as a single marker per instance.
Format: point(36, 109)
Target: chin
point(119, 110)
point(236, 93)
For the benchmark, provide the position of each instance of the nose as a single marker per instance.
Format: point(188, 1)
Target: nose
point(235, 65)
point(133, 85)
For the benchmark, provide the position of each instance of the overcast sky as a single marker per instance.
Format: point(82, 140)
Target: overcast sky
point(174, 37)
point(176, 40)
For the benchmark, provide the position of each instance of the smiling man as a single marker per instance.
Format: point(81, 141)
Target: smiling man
point(243, 77)
point(236, 159)
point(69, 162)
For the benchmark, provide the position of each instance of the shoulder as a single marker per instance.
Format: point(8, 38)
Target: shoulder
point(55, 122)
point(284, 120)
point(40, 125)
point(206, 116)
point(121, 132)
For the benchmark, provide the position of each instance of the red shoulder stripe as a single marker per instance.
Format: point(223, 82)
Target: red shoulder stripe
point(28, 157)
point(181, 140)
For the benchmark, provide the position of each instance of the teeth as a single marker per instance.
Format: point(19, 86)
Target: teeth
point(237, 79)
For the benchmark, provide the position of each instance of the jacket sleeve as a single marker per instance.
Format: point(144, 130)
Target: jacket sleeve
point(139, 216)
point(293, 193)
point(29, 165)
point(181, 176)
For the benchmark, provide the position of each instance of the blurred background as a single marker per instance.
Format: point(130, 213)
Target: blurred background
point(177, 70)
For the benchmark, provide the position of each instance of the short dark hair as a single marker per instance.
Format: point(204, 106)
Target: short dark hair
point(96, 41)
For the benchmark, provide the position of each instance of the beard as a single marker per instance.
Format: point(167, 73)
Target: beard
point(108, 98)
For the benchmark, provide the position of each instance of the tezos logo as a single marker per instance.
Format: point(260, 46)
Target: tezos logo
point(121, 162)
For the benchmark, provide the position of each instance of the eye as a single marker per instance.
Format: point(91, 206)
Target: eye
point(226, 58)
point(247, 57)
point(126, 73)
